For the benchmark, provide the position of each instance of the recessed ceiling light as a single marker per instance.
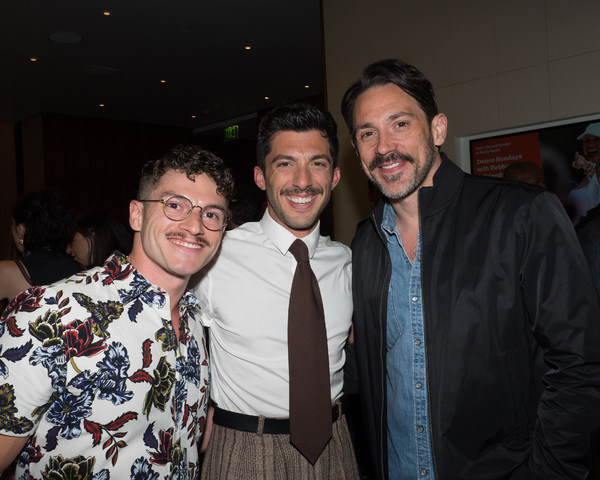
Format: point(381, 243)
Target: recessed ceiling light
point(266, 98)
point(163, 81)
point(193, 116)
point(33, 59)
point(306, 86)
point(67, 38)
point(107, 13)
point(248, 47)
point(101, 105)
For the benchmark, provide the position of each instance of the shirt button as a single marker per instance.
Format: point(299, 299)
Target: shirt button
point(423, 472)
point(420, 429)
point(418, 385)
point(415, 299)
point(417, 342)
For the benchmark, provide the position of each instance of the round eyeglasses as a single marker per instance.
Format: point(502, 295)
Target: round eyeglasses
point(178, 208)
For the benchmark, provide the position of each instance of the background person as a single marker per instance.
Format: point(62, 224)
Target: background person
point(245, 206)
point(586, 195)
point(42, 227)
point(476, 326)
point(97, 235)
point(527, 172)
point(108, 371)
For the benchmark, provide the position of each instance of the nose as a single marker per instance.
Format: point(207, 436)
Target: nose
point(193, 223)
point(302, 177)
point(386, 143)
point(69, 249)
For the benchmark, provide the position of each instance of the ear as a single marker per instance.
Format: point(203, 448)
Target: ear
point(136, 210)
point(439, 129)
point(259, 178)
point(21, 230)
point(336, 177)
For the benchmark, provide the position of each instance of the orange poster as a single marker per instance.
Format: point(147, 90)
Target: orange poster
point(491, 156)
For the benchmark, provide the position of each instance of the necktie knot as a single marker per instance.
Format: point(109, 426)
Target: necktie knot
point(299, 250)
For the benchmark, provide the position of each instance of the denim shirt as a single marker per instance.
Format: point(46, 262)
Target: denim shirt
point(409, 443)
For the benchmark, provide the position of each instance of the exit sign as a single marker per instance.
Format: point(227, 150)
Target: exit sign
point(232, 133)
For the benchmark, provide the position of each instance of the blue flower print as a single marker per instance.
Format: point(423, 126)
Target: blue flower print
point(68, 410)
point(13, 355)
point(142, 470)
point(52, 357)
point(112, 377)
point(86, 380)
point(189, 367)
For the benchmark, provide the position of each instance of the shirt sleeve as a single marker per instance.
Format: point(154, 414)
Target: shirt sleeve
point(202, 291)
point(562, 305)
point(31, 364)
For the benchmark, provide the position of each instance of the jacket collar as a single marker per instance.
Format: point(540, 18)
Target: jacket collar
point(446, 182)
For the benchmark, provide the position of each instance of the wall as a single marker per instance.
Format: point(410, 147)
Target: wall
point(9, 186)
point(493, 63)
point(96, 162)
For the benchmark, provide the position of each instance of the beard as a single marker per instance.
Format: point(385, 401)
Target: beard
point(391, 185)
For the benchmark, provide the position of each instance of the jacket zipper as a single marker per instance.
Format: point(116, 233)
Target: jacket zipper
point(423, 296)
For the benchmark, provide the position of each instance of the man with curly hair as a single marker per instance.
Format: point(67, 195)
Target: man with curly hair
point(105, 374)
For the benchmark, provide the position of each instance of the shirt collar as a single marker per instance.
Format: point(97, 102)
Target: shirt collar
point(388, 223)
point(282, 238)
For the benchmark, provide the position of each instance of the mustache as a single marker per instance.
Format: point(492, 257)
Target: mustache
point(390, 157)
point(300, 191)
point(198, 239)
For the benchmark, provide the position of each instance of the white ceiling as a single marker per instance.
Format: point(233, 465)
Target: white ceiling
point(197, 46)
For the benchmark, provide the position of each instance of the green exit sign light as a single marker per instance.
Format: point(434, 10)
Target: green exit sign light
point(232, 133)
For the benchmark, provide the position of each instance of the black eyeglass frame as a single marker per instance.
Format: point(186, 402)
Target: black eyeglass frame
point(189, 212)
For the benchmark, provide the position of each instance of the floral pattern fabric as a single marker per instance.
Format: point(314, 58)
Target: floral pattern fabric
point(91, 370)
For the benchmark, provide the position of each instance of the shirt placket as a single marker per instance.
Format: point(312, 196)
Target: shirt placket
point(419, 372)
point(179, 434)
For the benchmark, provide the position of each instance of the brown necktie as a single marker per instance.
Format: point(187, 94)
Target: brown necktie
point(310, 392)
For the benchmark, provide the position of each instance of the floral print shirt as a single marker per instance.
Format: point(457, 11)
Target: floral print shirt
point(91, 370)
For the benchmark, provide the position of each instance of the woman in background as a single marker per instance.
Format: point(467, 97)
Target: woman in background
point(42, 228)
point(97, 235)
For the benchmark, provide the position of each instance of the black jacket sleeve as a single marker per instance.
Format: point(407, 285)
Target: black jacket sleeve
point(561, 303)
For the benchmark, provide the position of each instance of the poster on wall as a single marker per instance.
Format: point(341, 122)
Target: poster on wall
point(566, 153)
point(492, 156)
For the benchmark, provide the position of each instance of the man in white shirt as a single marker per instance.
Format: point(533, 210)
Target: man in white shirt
point(246, 295)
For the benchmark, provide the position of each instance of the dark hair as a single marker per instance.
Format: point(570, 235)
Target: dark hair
point(246, 206)
point(384, 72)
point(191, 160)
point(295, 117)
point(104, 233)
point(48, 220)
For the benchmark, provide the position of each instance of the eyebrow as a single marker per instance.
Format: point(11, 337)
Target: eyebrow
point(170, 193)
point(318, 156)
point(391, 118)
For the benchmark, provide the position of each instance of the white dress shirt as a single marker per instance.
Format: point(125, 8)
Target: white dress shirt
point(245, 297)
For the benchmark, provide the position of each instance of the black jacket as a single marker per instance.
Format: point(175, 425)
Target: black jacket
point(511, 330)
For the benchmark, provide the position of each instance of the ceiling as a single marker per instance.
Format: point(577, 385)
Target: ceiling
point(196, 46)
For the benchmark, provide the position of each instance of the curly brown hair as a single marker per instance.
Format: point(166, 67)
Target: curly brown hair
point(191, 160)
